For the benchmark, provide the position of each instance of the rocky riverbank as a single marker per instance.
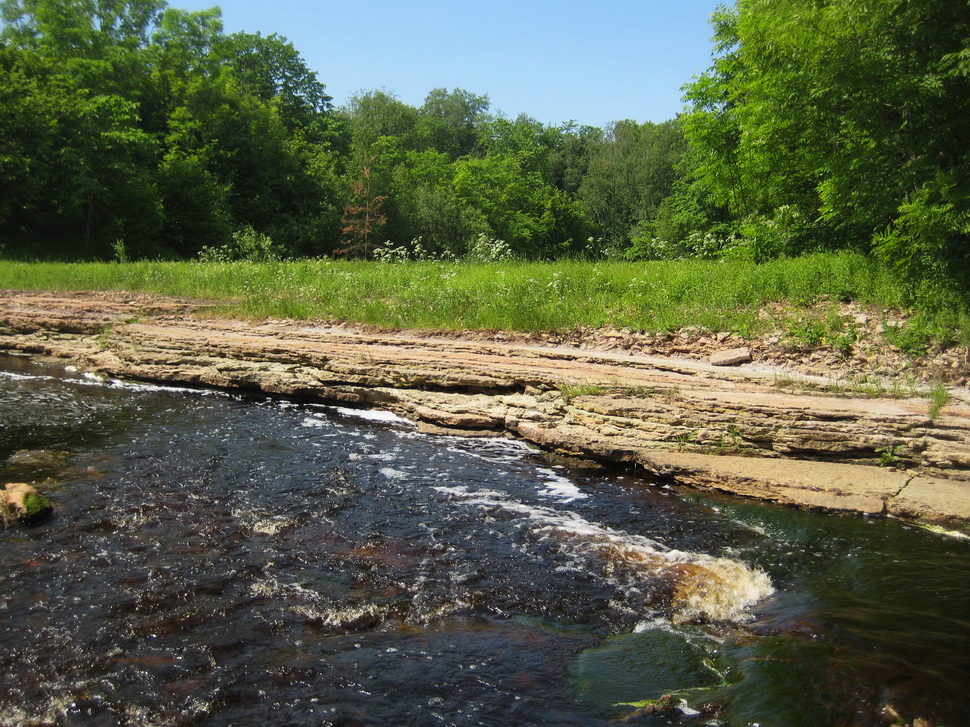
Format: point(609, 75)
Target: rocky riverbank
point(775, 427)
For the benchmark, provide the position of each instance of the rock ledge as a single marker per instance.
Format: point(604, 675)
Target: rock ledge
point(720, 427)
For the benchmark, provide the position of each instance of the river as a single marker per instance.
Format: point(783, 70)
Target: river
point(220, 559)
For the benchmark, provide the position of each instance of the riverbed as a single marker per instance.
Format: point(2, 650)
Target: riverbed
point(222, 559)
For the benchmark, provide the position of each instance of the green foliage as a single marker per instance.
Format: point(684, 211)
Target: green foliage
point(919, 333)
point(247, 245)
point(36, 506)
point(377, 114)
point(489, 250)
point(631, 170)
point(853, 114)
point(820, 125)
point(449, 121)
point(273, 71)
point(414, 250)
point(120, 251)
point(571, 391)
point(807, 333)
point(889, 457)
point(928, 239)
point(704, 245)
point(764, 238)
point(129, 120)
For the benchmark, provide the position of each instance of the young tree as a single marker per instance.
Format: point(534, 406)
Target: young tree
point(363, 219)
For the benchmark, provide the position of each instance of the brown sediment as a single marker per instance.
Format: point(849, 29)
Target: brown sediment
point(741, 429)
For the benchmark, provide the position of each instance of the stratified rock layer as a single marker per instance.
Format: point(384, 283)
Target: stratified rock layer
point(728, 429)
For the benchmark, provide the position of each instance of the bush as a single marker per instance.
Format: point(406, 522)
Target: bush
point(247, 245)
point(927, 243)
point(764, 238)
point(709, 245)
point(489, 250)
point(414, 250)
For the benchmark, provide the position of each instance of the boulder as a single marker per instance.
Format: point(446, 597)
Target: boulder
point(24, 504)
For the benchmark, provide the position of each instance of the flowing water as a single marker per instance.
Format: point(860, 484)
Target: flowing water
point(224, 560)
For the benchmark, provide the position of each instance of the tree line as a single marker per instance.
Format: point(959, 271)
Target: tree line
point(130, 128)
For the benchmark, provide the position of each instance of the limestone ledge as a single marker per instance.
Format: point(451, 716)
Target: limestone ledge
point(724, 429)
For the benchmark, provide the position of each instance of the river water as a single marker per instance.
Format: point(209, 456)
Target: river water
point(217, 559)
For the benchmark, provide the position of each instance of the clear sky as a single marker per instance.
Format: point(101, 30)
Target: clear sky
point(555, 60)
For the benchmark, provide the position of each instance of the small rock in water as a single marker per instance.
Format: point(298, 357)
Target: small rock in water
point(21, 502)
point(731, 357)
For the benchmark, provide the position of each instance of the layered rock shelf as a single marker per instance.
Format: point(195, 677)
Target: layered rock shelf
point(727, 427)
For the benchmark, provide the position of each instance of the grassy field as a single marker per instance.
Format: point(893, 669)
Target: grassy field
point(563, 295)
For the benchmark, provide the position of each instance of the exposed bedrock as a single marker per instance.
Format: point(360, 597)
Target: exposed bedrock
point(712, 427)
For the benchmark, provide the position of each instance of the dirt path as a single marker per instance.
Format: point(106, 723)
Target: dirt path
point(733, 428)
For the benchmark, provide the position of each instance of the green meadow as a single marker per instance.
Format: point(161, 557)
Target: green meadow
point(735, 296)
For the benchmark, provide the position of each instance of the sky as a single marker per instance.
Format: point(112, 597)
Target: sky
point(555, 60)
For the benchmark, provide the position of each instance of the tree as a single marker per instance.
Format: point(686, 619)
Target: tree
point(450, 121)
point(424, 202)
point(571, 149)
point(375, 114)
point(855, 114)
point(273, 71)
point(533, 217)
point(362, 219)
point(631, 171)
point(79, 28)
point(76, 159)
point(127, 120)
point(524, 138)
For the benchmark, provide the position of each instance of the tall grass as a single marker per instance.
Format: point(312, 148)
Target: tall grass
point(562, 295)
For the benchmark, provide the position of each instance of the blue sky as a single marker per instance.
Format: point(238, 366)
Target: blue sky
point(555, 60)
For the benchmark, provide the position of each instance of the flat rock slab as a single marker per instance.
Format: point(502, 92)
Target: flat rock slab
point(934, 500)
point(827, 485)
point(731, 357)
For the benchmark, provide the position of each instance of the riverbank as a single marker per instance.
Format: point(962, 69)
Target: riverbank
point(767, 427)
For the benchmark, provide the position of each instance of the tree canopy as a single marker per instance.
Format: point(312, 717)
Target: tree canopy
point(131, 127)
point(848, 119)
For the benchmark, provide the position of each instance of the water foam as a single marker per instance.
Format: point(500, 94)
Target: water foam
point(372, 415)
point(696, 586)
point(559, 487)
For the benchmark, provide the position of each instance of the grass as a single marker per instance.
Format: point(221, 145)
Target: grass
point(865, 386)
point(939, 397)
point(570, 391)
point(525, 296)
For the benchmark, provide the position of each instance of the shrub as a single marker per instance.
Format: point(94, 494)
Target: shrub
point(247, 245)
point(489, 250)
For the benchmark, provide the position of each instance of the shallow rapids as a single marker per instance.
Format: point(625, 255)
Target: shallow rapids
point(223, 560)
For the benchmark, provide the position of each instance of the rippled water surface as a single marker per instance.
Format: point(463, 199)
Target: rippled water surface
point(221, 560)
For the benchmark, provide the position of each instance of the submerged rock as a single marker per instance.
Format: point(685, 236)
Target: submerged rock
point(35, 464)
point(22, 503)
point(38, 458)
